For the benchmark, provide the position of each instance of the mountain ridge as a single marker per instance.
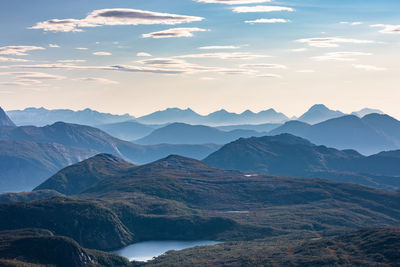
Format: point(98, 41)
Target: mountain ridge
point(293, 156)
point(5, 120)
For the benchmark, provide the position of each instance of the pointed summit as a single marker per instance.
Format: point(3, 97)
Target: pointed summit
point(5, 120)
point(319, 113)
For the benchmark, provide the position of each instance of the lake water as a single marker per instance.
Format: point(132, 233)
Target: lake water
point(145, 251)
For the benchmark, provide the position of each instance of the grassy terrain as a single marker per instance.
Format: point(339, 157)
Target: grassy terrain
point(36, 247)
point(184, 199)
point(368, 247)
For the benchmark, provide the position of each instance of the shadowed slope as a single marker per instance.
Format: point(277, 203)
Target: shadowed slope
point(74, 179)
point(293, 156)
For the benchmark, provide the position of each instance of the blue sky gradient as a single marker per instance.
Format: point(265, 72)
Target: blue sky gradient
point(357, 70)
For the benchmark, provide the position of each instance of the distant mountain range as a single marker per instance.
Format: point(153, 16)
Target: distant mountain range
point(180, 133)
point(296, 157)
point(128, 130)
point(30, 154)
point(218, 118)
point(43, 117)
point(368, 135)
point(25, 164)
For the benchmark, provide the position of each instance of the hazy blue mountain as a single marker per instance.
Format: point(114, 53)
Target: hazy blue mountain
point(171, 115)
point(128, 130)
point(319, 113)
point(180, 133)
point(266, 127)
point(223, 117)
point(368, 135)
point(297, 157)
point(218, 118)
point(74, 135)
point(4, 119)
point(24, 164)
point(366, 111)
point(42, 117)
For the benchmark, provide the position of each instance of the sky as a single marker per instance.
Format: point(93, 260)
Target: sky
point(140, 56)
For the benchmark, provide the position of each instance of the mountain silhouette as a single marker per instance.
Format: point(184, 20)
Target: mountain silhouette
point(319, 113)
point(43, 117)
point(25, 164)
point(76, 178)
point(368, 135)
point(297, 157)
point(366, 111)
point(180, 133)
point(82, 136)
point(217, 118)
point(5, 120)
point(128, 130)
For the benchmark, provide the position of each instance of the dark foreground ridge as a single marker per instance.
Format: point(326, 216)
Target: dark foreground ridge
point(368, 247)
point(179, 198)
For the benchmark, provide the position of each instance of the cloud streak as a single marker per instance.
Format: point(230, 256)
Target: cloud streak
point(219, 47)
point(98, 80)
point(113, 17)
point(387, 28)
point(341, 56)
point(173, 33)
point(260, 9)
point(235, 55)
point(258, 21)
point(18, 50)
point(234, 2)
point(10, 59)
point(329, 42)
point(368, 67)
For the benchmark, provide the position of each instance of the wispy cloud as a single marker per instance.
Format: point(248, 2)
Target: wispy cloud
point(368, 67)
point(71, 61)
point(296, 50)
point(341, 56)
point(114, 17)
point(332, 41)
point(18, 50)
point(355, 23)
point(257, 21)
point(54, 46)
point(143, 54)
point(387, 28)
point(259, 9)
point(173, 33)
point(234, 55)
point(234, 2)
point(30, 78)
point(98, 80)
point(10, 59)
point(219, 47)
point(101, 53)
point(163, 62)
point(36, 76)
point(82, 48)
point(268, 75)
point(263, 66)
